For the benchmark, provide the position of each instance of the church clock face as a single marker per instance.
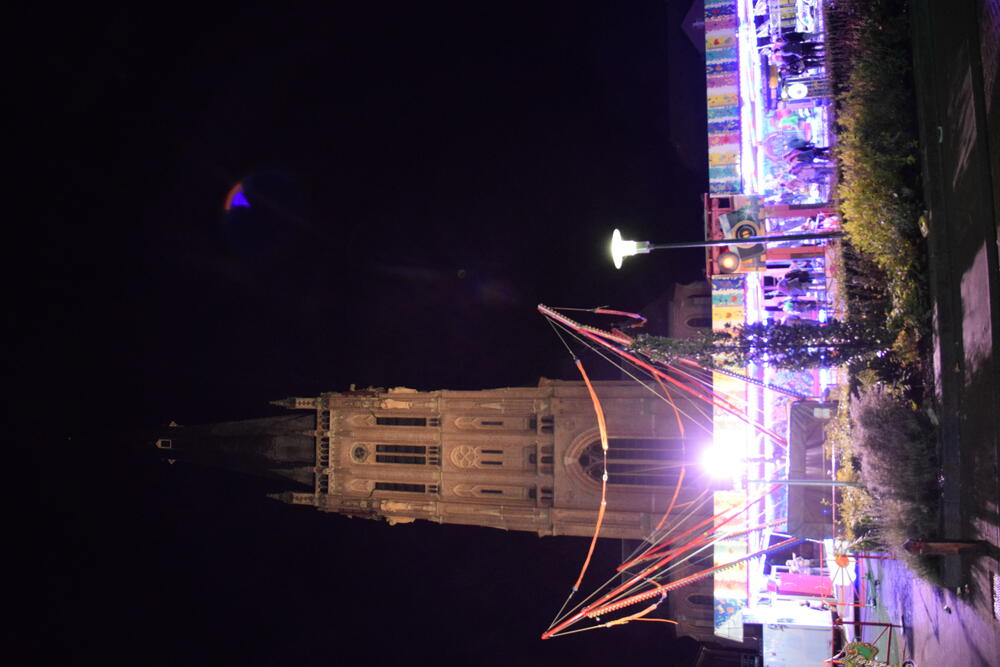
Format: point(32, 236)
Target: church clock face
point(359, 454)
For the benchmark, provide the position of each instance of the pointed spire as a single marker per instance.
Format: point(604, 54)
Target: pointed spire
point(294, 497)
point(296, 403)
point(282, 496)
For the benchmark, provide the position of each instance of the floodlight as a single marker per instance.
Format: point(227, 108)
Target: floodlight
point(721, 460)
point(620, 248)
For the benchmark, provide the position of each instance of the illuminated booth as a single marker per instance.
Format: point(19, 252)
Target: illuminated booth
point(771, 174)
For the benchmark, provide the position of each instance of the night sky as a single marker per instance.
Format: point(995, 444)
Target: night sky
point(420, 176)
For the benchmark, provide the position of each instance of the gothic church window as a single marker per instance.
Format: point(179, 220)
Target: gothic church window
point(403, 488)
point(466, 456)
point(491, 457)
point(401, 421)
point(407, 454)
point(636, 461)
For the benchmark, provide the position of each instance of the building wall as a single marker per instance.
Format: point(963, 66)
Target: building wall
point(693, 606)
point(511, 458)
point(514, 458)
point(690, 309)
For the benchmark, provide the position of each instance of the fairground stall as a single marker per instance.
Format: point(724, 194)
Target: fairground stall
point(772, 174)
point(754, 548)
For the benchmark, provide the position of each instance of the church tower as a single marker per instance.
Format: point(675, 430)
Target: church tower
point(522, 458)
point(512, 458)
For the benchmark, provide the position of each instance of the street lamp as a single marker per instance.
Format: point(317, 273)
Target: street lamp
point(620, 248)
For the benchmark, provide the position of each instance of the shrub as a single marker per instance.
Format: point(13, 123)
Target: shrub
point(877, 151)
point(895, 446)
point(881, 440)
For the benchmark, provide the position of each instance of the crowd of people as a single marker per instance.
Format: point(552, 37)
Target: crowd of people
point(794, 53)
point(789, 297)
point(807, 163)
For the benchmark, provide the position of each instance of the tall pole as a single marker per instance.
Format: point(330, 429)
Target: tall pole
point(621, 248)
point(746, 240)
point(804, 482)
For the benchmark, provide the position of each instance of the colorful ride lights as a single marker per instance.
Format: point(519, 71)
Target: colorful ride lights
point(729, 262)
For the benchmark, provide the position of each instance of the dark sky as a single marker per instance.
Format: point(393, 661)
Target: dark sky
point(420, 175)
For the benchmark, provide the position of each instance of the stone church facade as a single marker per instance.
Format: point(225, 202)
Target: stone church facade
point(524, 458)
point(512, 458)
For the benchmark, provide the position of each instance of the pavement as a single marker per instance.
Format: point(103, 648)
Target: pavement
point(957, 71)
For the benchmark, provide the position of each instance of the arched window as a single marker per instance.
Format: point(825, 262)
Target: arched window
point(636, 461)
point(700, 300)
point(700, 322)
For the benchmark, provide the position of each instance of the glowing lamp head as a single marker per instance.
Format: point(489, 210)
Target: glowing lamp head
point(729, 262)
point(620, 248)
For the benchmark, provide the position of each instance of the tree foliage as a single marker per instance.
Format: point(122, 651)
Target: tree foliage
point(877, 150)
point(778, 345)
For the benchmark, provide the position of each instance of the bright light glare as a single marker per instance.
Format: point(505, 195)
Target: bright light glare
point(620, 248)
point(721, 460)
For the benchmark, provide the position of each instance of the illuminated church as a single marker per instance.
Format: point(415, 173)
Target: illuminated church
point(523, 458)
point(526, 458)
point(515, 458)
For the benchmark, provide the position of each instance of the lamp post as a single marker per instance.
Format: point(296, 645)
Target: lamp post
point(620, 248)
point(805, 482)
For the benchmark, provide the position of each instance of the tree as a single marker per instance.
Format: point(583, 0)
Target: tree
point(780, 345)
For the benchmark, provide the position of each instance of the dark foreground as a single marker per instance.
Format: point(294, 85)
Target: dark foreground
point(957, 65)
